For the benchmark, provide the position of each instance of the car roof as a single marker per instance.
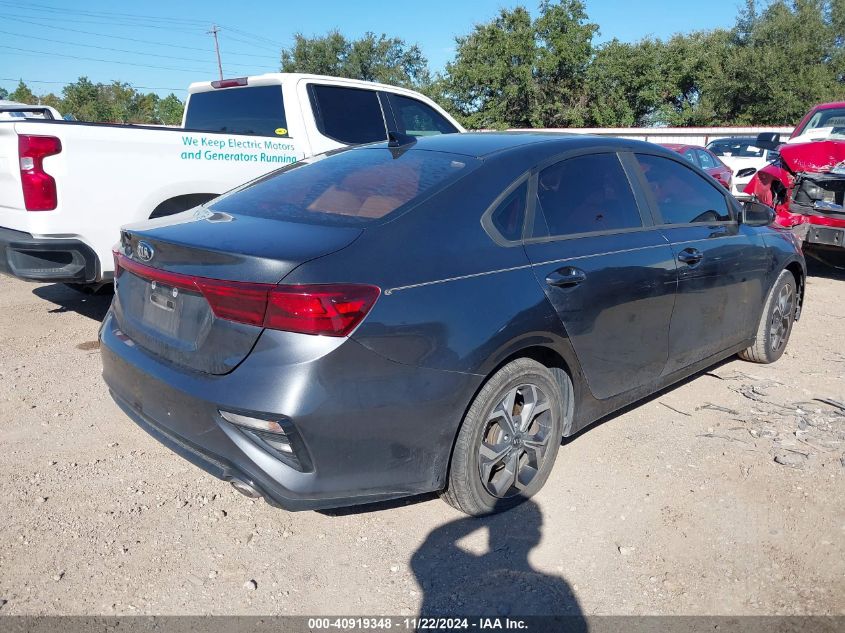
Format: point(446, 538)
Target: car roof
point(829, 106)
point(735, 139)
point(484, 144)
point(680, 147)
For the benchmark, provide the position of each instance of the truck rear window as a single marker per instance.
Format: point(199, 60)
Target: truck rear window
point(351, 188)
point(258, 110)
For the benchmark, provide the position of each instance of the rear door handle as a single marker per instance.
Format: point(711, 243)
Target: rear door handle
point(690, 256)
point(567, 277)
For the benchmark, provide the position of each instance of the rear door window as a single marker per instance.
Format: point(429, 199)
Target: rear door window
point(690, 156)
point(681, 195)
point(348, 115)
point(416, 118)
point(706, 160)
point(351, 188)
point(259, 110)
point(584, 194)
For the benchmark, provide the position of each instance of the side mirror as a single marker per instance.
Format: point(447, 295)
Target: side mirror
point(757, 214)
point(768, 140)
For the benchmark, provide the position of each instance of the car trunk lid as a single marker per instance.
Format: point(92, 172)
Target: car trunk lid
point(189, 288)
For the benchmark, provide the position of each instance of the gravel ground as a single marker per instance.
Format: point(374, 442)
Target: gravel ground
point(723, 495)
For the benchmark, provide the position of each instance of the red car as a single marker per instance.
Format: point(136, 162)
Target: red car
point(806, 184)
point(707, 160)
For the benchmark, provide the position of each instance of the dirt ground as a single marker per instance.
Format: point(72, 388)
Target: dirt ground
point(724, 495)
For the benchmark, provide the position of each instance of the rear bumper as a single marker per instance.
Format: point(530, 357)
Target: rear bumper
point(372, 429)
point(46, 260)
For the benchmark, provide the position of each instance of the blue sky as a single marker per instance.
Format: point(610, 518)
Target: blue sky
point(163, 45)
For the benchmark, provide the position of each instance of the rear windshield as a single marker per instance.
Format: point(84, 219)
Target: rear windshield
point(351, 188)
point(258, 110)
point(830, 117)
point(736, 148)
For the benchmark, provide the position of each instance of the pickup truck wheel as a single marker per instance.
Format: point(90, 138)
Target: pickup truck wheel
point(509, 439)
point(776, 322)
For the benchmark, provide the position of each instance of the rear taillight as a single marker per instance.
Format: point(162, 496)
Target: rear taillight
point(39, 187)
point(332, 310)
point(325, 309)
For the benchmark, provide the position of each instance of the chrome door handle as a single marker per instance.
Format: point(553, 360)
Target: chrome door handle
point(690, 256)
point(567, 277)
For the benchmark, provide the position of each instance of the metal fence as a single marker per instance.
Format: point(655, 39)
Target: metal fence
point(685, 135)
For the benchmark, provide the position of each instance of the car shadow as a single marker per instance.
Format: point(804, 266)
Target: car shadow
point(66, 299)
point(493, 581)
point(816, 268)
point(378, 506)
point(647, 399)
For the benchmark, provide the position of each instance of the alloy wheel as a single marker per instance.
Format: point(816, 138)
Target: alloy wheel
point(515, 441)
point(784, 309)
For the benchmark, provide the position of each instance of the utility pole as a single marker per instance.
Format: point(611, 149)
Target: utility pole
point(214, 31)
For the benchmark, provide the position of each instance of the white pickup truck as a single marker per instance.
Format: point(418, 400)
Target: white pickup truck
point(66, 188)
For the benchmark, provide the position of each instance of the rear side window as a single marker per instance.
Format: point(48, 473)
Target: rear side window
point(417, 118)
point(706, 160)
point(348, 115)
point(259, 110)
point(351, 188)
point(690, 156)
point(584, 194)
point(681, 195)
point(509, 216)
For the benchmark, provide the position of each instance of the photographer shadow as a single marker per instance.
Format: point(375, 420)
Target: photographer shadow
point(497, 583)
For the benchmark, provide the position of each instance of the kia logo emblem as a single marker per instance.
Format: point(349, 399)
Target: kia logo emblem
point(144, 251)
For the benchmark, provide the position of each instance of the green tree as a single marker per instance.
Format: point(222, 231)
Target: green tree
point(82, 100)
point(118, 102)
point(145, 108)
point(169, 110)
point(23, 94)
point(53, 101)
point(517, 72)
point(490, 84)
point(4, 94)
point(371, 58)
point(783, 59)
point(565, 50)
point(625, 84)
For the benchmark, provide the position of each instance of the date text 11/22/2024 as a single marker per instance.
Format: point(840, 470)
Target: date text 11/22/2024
point(417, 623)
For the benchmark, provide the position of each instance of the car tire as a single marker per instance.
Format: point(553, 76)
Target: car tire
point(501, 460)
point(775, 323)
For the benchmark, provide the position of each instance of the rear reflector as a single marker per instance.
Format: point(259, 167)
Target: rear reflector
point(325, 309)
point(39, 187)
point(229, 83)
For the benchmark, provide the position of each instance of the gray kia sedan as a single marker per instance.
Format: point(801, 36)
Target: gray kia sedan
point(436, 314)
